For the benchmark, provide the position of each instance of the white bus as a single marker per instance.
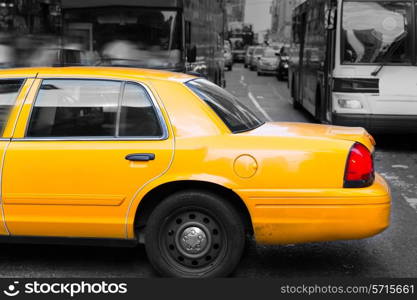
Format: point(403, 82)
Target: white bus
point(354, 63)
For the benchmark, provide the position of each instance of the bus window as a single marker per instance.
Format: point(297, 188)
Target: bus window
point(129, 35)
point(377, 32)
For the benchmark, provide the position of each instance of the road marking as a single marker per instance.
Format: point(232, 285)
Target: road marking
point(242, 81)
point(256, 103)
point(399, 167)
point(411, 201)
point(277, 94)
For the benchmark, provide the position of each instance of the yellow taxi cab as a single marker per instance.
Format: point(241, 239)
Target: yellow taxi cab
point(113, 155)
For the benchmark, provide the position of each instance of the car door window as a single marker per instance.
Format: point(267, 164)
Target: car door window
point(75, 108)
point(138, 117)
point(9, 89)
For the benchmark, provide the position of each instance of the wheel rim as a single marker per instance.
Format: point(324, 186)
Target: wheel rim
point(192, 240)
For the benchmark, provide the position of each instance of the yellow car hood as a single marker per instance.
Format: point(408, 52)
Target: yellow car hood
point(354, 134)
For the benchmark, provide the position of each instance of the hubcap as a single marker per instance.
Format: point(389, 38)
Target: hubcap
point(193, 240)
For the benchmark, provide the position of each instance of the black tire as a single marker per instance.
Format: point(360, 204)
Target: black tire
point(181, 217)
point(259, 73)
point(279, 76)
point(245, 66)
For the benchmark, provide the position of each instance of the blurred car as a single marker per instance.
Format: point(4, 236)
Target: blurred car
point(268, 63)
point(55, 57)
point(257, 54)
point(282, 71)
point(248, 55)
point(228, 58)
point(238, 49)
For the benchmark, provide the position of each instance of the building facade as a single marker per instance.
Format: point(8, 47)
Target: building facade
point(281, 12)
point(235, 10)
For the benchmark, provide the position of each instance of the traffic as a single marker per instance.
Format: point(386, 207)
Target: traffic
point(210, 145)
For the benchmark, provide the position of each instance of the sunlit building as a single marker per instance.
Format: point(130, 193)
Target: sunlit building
point(235, 10)
point(281, 12)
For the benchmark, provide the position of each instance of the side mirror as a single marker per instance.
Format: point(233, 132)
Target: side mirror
point(330, 19)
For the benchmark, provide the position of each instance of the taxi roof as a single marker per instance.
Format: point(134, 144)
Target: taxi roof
point(94, 72)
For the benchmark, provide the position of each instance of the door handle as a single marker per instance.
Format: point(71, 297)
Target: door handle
point(140, 157)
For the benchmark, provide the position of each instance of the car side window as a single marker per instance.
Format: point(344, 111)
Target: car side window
point(9, 89)
point(75, 108)
point(138, 117)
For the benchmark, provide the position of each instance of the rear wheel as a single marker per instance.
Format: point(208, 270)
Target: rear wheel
point(194, 234)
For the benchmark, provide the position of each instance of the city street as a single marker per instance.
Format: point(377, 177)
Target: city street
point(390, 254)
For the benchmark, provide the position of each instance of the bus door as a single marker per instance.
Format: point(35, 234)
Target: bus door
point(326, 108)
point(301, 75)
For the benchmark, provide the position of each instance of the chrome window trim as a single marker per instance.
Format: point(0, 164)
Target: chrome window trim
point(88, 139)
point(154, 102)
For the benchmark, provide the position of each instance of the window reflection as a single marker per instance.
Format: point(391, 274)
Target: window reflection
point(235, 115)
point(8, 93)
point(137, 115)
point(75, 108)
point(377, 31)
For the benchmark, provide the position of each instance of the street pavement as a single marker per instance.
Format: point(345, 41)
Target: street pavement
point(390, 254)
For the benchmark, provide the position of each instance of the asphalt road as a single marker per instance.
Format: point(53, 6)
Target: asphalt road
point(390, 254)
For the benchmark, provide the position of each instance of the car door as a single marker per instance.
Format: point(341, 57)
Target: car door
point(12, 95)
point(81, 150)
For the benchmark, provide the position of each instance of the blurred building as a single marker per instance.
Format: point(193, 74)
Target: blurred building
point(235, 10)
point(281, 12)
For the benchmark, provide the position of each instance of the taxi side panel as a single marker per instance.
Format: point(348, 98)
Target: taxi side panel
point(7, 134)
point(74, 188)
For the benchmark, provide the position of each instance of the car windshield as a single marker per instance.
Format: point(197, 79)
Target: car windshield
point(234, 114)
point(377, 32)
point(130, 36)
point(269, 53)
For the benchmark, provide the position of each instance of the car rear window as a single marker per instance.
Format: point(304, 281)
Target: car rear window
point(235, 115)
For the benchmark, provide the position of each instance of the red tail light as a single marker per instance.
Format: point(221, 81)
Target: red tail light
point(359, 171)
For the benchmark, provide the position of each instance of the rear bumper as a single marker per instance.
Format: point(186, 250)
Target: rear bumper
point(287, 216)
point(378, 123)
